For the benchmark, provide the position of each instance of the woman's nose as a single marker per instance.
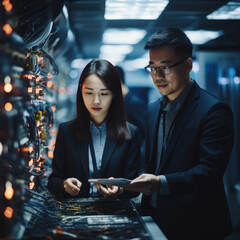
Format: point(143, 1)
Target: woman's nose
point(96, 99)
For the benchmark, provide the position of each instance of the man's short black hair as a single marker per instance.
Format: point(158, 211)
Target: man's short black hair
point(172, 38)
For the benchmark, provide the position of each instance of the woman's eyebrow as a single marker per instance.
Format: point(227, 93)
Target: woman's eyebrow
point(88, 88)
point(102, 89)
point(105, 89)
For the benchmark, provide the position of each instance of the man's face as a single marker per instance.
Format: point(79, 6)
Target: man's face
point(175, 82)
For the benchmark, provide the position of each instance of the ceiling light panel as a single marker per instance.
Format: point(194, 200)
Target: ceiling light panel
point(231, 10)
point(116, 49)
point(123, 36)
point(202, 36)
point(134, 9)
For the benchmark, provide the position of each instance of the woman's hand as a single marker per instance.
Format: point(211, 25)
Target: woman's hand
point(72, 186)
point(108, 191)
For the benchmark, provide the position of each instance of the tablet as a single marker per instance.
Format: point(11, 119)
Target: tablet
point(120, 182)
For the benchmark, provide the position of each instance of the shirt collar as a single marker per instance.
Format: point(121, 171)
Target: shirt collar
point(102, 127)
point(177, 101)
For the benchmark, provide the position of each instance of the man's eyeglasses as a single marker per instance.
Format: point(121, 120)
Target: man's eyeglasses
point(165, 70)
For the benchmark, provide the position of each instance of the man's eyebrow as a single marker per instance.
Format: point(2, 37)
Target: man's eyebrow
point(165, 61)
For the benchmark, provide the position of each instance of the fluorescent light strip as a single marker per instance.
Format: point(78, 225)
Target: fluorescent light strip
point(202, 36)
point(229, 11)
point(116, 49)
point(123, 36)
point(134, 9)
point(113, 58)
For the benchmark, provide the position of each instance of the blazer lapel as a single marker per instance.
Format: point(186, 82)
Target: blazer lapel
point(107, 153)
point(180, 121)
point(82, 149)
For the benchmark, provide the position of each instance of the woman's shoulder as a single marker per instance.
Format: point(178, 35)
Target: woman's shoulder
point(68, 124)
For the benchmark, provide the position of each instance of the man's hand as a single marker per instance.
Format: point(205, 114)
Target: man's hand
point(107, 192)
point(146, 183)
point(72, 186)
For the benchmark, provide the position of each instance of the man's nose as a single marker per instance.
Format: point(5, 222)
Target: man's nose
point(159, 72)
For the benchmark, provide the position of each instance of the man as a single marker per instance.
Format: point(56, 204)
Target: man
point(188, 145)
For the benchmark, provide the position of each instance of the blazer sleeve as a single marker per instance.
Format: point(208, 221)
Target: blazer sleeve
point(57, 177)
point(215, 145)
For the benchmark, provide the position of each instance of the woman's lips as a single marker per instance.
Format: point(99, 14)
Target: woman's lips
point(96, 109)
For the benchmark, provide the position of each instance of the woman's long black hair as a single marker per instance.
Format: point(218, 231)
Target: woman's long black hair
point(117, 128)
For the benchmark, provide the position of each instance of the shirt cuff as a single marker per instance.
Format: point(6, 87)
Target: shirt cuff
point(164, 190)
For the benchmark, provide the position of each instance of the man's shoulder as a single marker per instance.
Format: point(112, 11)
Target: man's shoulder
point(209, 98)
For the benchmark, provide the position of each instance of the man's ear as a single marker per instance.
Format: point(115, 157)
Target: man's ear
point(189, 64)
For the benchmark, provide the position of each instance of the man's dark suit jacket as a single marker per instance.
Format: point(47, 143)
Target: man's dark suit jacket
point(120, 159)
point(195, 159)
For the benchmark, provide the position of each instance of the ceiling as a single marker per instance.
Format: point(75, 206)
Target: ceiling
point(86, 18)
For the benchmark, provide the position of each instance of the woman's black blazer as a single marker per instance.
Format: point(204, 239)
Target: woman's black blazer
point(120, 159)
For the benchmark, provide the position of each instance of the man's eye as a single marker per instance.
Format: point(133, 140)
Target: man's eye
point(164, 67)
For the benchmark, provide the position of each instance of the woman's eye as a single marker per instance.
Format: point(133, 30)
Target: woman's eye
point(104, 94)
point(89, 93)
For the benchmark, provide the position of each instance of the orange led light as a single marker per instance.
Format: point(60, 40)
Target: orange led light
point(49, 84)
point(28, 76)
point(54, 108)
point(31, 185)
point(7, 87)
point(50, 148)
point(8, 194)
point(53, 141)
point(30, 89)
point(38, 79)
point(30, 163)
point(61, 90)
point(49, 76)
point(7, 29)
point(8, 213)
point(30, 149)
point(7, 5)
point(8, 106)
point(50, 154)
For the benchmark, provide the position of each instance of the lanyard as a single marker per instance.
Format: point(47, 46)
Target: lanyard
point(96, 172)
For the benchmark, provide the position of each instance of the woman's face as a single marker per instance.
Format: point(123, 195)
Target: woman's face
point(97, 98)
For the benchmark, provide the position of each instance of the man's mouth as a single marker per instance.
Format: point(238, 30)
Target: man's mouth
point(162, 85)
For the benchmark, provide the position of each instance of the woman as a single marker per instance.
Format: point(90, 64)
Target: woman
point(99, 143)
